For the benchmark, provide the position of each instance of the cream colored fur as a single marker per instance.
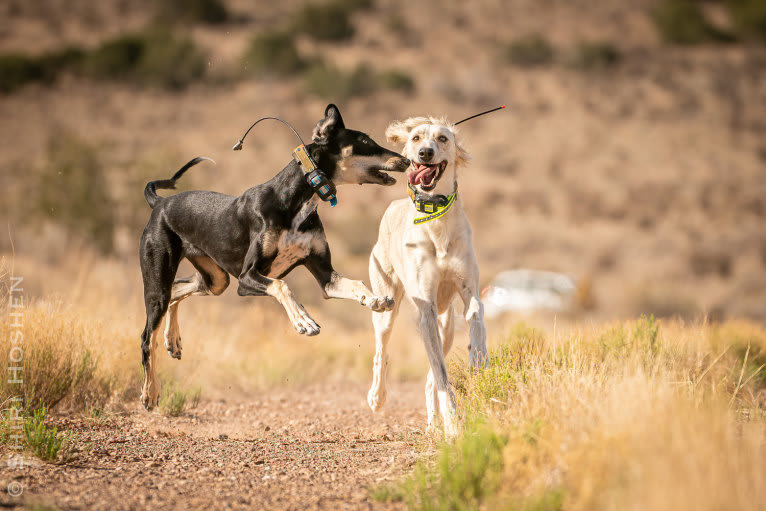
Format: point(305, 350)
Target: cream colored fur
point(431, 263)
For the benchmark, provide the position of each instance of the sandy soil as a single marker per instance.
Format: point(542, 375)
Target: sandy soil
point(316, 448)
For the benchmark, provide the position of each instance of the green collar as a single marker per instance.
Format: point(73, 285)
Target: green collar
point(434, 206)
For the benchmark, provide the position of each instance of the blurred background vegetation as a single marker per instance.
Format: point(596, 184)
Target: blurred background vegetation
point(631, 156)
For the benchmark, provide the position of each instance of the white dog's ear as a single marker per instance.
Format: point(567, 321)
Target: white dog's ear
point(462, 156)
point(399, 131)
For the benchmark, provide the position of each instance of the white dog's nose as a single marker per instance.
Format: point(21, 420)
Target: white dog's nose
point(426, 153)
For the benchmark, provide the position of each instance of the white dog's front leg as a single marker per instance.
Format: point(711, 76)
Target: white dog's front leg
point(428, 326)
point(383, 323)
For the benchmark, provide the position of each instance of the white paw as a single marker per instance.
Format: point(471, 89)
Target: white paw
point(304, 324)
point(376, 400)
point(378, 303)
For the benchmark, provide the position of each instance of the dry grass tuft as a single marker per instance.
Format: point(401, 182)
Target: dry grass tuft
point(628, 416)
point(60, 359)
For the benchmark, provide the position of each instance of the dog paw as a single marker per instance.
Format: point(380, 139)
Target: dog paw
point(149, 400)
point(378, 303)
point(376, 400)
point(174, 347)
point(304, 324)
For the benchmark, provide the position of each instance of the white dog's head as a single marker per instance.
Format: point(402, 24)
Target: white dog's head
point(433, 146)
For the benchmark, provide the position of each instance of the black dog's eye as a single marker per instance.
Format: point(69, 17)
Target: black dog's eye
point(416, 138)
point(442, 139)
point(366, 141)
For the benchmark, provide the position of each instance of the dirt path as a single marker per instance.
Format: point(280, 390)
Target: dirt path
point(316, 448)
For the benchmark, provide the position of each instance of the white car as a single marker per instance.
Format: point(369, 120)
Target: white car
point(527, 291)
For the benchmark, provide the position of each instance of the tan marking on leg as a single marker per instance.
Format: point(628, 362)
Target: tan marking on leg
point(172, 331)
point(150, 392)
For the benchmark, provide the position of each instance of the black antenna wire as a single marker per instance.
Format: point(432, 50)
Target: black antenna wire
point(238, 145)
point(477, 115)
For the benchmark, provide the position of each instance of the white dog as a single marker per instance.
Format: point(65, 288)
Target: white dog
point(425, 250)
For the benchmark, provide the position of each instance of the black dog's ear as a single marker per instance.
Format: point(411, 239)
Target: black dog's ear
point(331, 123)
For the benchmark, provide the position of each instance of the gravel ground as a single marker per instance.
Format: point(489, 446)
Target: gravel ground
point(314, 448)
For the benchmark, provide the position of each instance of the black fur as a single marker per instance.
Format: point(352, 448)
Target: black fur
point(222, 235)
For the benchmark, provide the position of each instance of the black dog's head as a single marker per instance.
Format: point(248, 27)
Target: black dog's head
point(349, 156)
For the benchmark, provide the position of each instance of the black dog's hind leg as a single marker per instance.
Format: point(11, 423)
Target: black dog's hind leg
point(210, 279)
point(252, 283)
point(161, 251)
point(334, 285)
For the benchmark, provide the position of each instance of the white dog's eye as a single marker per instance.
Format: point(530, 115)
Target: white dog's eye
point(442, 139)
point(416, 138)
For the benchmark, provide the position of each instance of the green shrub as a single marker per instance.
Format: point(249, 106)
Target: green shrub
point(116, 58)
point(169, 62)
point(174, 401)
point(355, 5)
point(329, 82)
point(396, 80)
point(274, 53)
point(17, 70)
point(193, 11)
point(329, 21)
point(155, 57)
point(324, 22)
point(73, 190)
point(682, 22)
point(463, 475)
point(529, 51)
point(45, 441)
point(749, 18)
point(594, 56)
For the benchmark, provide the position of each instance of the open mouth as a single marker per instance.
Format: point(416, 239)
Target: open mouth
point(426, 174)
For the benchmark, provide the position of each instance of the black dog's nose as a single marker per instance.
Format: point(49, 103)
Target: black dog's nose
point(426, 153)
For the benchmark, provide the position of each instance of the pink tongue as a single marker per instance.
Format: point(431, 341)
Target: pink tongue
point(424, 176)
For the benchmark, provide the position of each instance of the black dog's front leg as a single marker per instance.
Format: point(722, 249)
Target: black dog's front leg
point(253, 283)
point(335, 285)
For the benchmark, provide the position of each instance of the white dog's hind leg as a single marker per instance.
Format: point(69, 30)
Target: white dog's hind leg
point(474, 315)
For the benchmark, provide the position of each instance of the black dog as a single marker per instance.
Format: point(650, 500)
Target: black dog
point(258, 237)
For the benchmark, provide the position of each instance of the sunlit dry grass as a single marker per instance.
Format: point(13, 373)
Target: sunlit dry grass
point(628, 416)
point(81, 340)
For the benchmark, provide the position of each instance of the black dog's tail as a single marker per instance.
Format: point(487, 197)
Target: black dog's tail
point(168, 184)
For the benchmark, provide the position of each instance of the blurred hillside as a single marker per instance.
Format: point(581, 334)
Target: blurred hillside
point(632, 155)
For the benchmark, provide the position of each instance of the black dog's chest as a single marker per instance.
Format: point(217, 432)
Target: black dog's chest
point(285, 248)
